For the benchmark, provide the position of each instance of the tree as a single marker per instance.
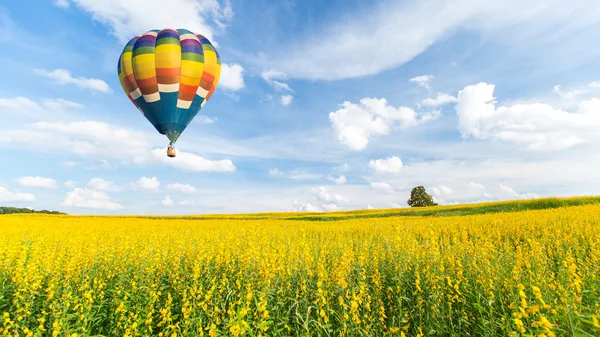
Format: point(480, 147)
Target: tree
point(420, 198)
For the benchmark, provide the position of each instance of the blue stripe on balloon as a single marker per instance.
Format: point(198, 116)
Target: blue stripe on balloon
point(191, 49)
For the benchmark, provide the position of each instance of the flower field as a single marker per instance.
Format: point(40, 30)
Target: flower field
point(528, 273)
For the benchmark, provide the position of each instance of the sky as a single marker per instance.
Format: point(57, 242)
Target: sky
point(321, 105)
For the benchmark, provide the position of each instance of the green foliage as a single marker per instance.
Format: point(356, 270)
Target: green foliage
point(420, 198)
point(15, 210)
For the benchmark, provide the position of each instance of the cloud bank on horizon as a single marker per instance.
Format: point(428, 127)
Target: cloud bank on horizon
point(475, 101)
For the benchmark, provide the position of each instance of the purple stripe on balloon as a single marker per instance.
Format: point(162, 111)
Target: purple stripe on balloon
point(147, 38)
point(190, 42)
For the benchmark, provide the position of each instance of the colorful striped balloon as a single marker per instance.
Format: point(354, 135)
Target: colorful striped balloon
point(169, 75)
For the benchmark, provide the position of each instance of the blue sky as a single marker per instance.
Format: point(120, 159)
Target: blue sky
point(321, 106)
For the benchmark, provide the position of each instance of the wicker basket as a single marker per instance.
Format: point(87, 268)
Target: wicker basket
point(171, 152)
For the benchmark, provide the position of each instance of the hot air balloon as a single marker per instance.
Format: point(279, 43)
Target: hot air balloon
point(169, 75)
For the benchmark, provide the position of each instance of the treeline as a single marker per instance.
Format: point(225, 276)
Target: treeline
point(14, 210)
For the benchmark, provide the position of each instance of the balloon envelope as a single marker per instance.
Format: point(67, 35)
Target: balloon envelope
point(169, 75)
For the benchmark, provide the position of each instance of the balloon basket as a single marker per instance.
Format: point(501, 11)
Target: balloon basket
point(171, 151)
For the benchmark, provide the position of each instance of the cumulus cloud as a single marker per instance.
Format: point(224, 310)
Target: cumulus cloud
point(168, 201)
point(183, 188)
point(381, 186)
point(422, 81)
point(388, 165)
point(10, 196)
point(102, 185)
point(355, 124)
point(63, 76)
point(323, 194)
point(286, 99)
point(232, 77)
point(305, 207)
point(126, 19)
point(441, 191)
point(100, 140)
point(148, 183)
point(190, 162)
point(534, 126)
point(91, 199)
point(36, 181)
point(440, 99)
point(339, 181)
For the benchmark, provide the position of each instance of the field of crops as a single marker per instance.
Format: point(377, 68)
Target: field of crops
point(534, 272)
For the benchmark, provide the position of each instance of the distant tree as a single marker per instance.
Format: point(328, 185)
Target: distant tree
point(420, 198)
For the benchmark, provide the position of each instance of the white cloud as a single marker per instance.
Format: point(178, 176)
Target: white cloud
point(84, 198)
point(63, 76)
point(355, 124)
point(370, 207)
point(286, 99)
point(323, 195)
point(331, 207)
point(392, 34)
point(273, 76)
point(100, 140)
point(422, 81)
point(232, 77)
point(339, 181)
point(275, 172)
point(508, 190)
point(127, 19)
point(298, 174)
point(68, 164)
point(100, 165)
point(21, 103)
point(344, 167)
point(381, 186)
point(39, 182)
point(148, 183)
point(183, 188)
point(534, 126)
point(305, 207)
point(441, 99)
point(167, 201)
point(8, 196)
point(189, 162)
point(389, 165)
point(24, 103)
point(86, 138)
point(60, 104)
point(102, 185)
point(205, 119)
point(474, 185)
point(446, 190)
point(70, 184)
point(61, 3)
